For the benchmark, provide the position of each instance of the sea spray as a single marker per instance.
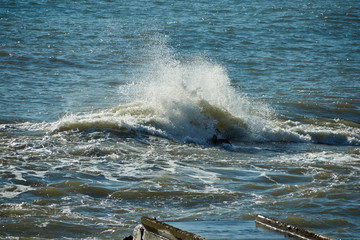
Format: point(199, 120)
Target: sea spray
point(193, 99)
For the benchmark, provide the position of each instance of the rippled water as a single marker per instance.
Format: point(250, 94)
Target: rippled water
point(109, 111)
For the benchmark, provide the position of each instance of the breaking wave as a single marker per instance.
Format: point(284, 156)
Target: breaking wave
point(192, 100)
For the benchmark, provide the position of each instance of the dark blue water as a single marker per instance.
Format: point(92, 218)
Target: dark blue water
point(109, 108)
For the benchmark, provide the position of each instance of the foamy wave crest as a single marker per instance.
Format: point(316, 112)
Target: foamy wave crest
point(191, 101)
point(319, 131)
point(198, 121)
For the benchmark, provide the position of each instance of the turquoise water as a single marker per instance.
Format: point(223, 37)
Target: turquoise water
point(109, 108)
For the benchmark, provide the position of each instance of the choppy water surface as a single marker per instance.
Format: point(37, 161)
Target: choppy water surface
point(109, 111)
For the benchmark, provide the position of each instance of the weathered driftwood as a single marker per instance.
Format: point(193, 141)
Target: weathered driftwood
point(151, 229)
point(287, 229)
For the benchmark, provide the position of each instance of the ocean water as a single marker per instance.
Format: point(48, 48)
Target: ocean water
point(109, 111)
